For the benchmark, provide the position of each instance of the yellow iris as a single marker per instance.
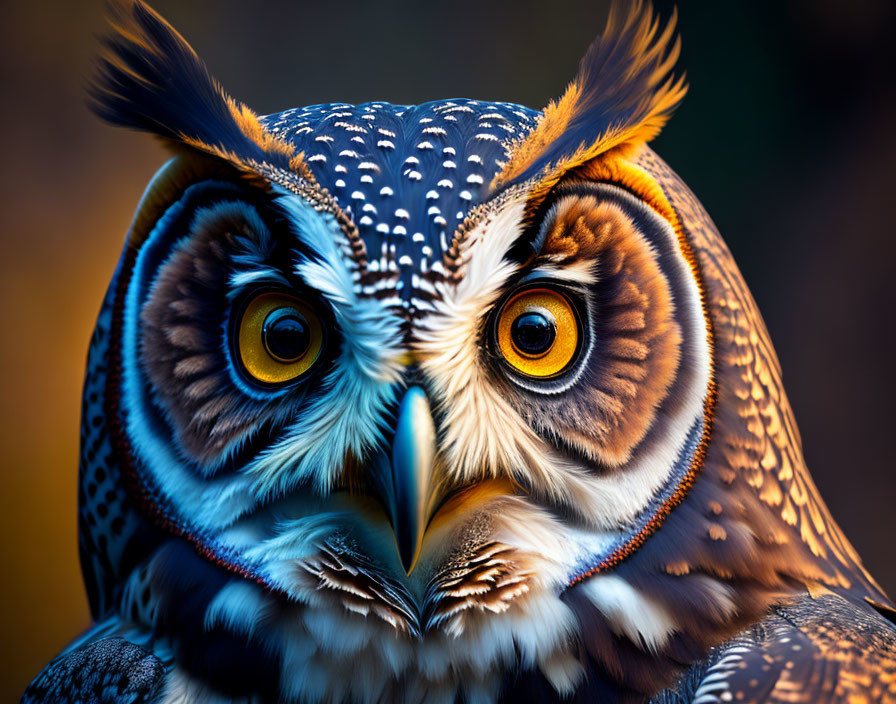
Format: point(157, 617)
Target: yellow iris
point(538, 332)
point(280, 338)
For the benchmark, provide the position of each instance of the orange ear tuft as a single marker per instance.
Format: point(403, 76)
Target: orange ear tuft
point(151, 79)
point(623, 95)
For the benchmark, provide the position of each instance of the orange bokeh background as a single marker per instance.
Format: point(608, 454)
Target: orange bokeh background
point(790, 149)
point(69, 188)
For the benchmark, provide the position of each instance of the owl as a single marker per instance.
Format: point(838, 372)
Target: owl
point(454, 402)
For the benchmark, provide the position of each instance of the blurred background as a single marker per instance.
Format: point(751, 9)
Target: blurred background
point(788, 137)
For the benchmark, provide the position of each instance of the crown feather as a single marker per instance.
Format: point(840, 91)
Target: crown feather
point(623, 95)
point(149, 78)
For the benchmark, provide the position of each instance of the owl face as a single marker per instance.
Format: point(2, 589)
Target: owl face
point(411, 372)
point(276, 378)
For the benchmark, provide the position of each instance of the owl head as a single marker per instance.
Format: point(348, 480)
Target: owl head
point(445, 391)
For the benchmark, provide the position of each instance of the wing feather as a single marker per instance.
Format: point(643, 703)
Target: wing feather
point(815, 651)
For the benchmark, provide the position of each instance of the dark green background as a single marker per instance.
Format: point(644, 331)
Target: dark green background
point(787, 136)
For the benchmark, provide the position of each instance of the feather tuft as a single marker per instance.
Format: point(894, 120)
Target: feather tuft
point(622, 97)
point(149, 78)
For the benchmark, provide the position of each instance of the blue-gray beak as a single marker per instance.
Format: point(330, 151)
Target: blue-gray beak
point(413, 454)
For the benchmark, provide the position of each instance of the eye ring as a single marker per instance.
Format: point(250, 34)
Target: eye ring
point(538, 333)
point(279, 338)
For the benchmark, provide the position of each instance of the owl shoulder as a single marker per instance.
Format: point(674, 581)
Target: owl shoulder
point(108, 671)
point(821, 650)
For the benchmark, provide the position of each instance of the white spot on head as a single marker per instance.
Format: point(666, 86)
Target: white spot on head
point(350, 127)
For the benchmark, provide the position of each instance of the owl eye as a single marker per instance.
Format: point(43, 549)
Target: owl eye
point(538, 332)
point(279, 339)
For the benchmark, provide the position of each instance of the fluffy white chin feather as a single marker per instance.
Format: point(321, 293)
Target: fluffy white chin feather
point(535, 630)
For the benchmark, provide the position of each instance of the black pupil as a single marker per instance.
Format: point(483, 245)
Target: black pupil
point(534, 332)
point(286, 334)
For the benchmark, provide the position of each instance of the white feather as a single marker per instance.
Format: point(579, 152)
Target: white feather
point(644, 621)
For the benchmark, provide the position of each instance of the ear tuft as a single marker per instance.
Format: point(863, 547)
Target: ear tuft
point(621, 98)
point(150, 79)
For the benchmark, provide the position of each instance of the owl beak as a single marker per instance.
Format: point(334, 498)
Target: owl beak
point(413, 454)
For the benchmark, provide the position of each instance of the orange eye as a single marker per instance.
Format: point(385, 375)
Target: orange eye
point(538, 332)
point(280, 338)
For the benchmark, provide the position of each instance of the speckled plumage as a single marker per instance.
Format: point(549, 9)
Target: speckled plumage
point(799, 653)
point(406, 175)
point(637, 526)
